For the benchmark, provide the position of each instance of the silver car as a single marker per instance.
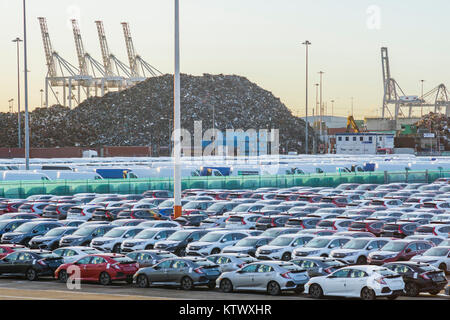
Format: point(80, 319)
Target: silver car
point(272, 277)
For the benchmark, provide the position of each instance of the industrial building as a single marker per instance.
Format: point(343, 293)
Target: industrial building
point(364, 143)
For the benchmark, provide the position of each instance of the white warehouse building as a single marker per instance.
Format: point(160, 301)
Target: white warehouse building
point(363, 143)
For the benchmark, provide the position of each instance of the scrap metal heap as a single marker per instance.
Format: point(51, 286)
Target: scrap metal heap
point(142, 116)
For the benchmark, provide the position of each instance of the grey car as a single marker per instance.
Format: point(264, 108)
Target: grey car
point(319, 266)
point(232, 261)
point(50, 240)
point(84, 235)
point(23, 234)
point(186, 273)
point(248, 245)
point(272, 277)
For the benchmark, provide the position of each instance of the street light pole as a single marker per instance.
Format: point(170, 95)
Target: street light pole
point(177, 117)
point(421, 109)
point(321, 104)
point(27, 132)
point(19, 118)
point(307, 44)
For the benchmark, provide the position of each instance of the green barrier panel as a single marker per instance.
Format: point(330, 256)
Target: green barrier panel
point(22, 189)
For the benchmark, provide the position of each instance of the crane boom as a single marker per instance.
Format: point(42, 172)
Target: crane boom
point(130, 50)
point(106, 55)
point(80, 48)
point(51, 65)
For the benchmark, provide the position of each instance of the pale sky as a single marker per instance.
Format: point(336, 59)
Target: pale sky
point(258, 39)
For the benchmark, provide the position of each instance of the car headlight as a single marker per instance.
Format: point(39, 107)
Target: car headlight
point(350, 254)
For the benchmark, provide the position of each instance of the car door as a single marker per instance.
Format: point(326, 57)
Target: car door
point(264, 274)
point(335, 283)
point(24, 261)
point(7, 263)
point(96, 266)
point(160, 271)
point(410, 251)
point(224, 264)
point(83, 264)
point(355, 281)
point(244, 278)
point(177, 271)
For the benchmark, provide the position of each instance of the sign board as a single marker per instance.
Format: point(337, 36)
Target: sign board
point(429, 135)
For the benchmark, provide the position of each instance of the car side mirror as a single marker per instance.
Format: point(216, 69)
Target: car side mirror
point(7, 230)
point(156, 267)
point(190, 240)
point(408, 250)
point(35, 231)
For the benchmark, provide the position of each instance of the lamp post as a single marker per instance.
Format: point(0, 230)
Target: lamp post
point(19, 118)
point(307, 44)
point(332, 108)
point(321, 104)
point(177, 117)
point(27, 132)
point(42, 97)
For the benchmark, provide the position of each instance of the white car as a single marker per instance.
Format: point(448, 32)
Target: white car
point(112, 240)
point(146, 239)
point(365, 282)
point(160, 224)
point(214, 222)
point(82, 212)
point(357, 250)
point(281, 247)
point(437, 240)
point(442, 230)
point(242, 221)
point(214, 242)
point(321, 246)
point(72, 254)
point(437, 256)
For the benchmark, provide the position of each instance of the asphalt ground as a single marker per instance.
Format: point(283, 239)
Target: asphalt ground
point(16, 288)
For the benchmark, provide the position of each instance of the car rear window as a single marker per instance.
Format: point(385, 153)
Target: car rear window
point(390, 227)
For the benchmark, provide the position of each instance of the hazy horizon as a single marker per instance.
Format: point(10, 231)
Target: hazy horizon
point(257, 40)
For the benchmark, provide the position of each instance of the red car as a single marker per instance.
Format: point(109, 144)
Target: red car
point(6, 249)
point(371, 226)
point(399, 250)
point(11, 206)
point(102, 268)
point(341, 202)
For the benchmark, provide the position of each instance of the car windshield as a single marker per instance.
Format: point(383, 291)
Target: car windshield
point(290, 267)
point(146, 234)
point(89, 251)
point(216, 207)
point(247, 243)
point(115, 233)
point(55, 232)
point(271, 233)
point(166, 204)
point(211, 237)
point(123, 259)
point(318, 243)
point(192, 205)
point(436, 252)
point(386, 272)
point(242, 208)
point(205, 263)
point(4, 224)
point(179, 236)
point(394, 246)
point(84, 231)
point(356, 244)
point(281, 241)
point(25, 228)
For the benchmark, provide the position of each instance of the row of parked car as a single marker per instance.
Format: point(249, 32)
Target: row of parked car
point(392, 238)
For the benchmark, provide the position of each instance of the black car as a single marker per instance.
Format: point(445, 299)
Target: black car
point(31, 263)
point(84, 235)
point(192, 220)
point(318, 266)
point(23, 234)
point(58, 211)
point(399, 229)
point(178, 241)
point(11, 225)
point(50, 241)
point(148, 258)
point(147, 214)
point(103, 214)
point(221, 207)
point(265, 223)
point(419, 277)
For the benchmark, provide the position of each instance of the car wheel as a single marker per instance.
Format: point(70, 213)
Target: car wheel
point(215, 251)
point(149, 247)
point(187, 283)
point(54, 246)
point(434, 292)
point(411, 289)
point(62, 276)
point(31, 275)
point(361, 260)
point(212, 285)
point(105, 279)
point(368, 294)
point(315, 291)
point(273, 288)
point(324, 256)
point(116, 248)
point(286, 257)
point(142, 281)
point(226, 286)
